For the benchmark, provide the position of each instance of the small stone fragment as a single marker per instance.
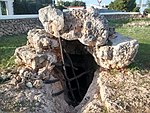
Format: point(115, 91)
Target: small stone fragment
point(13, 81)
point(18, 78)
point(38, 84)
point(29, 85)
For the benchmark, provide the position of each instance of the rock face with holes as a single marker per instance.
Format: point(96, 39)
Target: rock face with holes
point(41, 49)
point(126, 91)
point(52, 20)
point(85, 25)
point(119, 53)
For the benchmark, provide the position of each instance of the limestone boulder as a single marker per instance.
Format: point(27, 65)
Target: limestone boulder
point(41, 41)
point(27, 56)
point(110, 49)
point(40, 84)
point(52, 20)
point(95, 30)
point(117, 53)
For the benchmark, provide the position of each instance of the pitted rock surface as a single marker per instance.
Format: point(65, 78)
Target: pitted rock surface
point(117, 92)
point(85, 25)
point(120, 53)
point(40, 40)
point(52, 20)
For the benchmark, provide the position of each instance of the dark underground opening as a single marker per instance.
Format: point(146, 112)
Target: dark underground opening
point(80, 70)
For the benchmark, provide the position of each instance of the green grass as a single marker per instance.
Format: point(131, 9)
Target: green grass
point(8, 44)
point(142, 34)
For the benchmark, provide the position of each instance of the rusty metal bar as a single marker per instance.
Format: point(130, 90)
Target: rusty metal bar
point(80, 75)
point(50, 81)
point(72, 67)
point(64, 68)
point(57, 93)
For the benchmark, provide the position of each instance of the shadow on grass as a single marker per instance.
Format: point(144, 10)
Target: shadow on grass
point(142, 59)
point(118, 23)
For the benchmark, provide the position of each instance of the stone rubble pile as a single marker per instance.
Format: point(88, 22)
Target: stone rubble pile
point(41, 49)
point(36, 59)
point(34, 66)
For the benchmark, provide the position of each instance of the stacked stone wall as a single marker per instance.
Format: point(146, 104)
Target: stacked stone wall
point(18, 26)
point(122, 16)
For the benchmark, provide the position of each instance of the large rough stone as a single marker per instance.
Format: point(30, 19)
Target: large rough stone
point(39, 62)
point(27, 56)
point(52, 20)
point(118, 53)
point(87, 26)
point(35, 66)
point(110, 49)
point(41, 41)
point(42, 49)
